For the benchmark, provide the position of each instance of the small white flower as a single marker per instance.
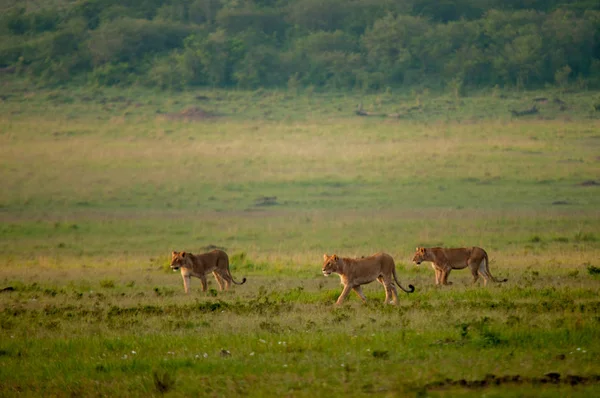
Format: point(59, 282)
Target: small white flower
point(262, 341)
point(252, 354)
point(583, 351)
point(285, 365)
point(205, 355)
point(342, 365)
point(170, 353)
point(368, 350)
point(124, 356)
point(197, 356)
point(578, 349)
point(133, 352)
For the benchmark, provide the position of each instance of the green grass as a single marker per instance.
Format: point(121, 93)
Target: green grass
point(99, 186)
point(284, 336)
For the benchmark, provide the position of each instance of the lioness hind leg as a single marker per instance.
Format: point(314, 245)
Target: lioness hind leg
point(474, 272)
point(484, 272)
point(220, 280)
point(385, 287)
point(392, 292)
point(204, 283)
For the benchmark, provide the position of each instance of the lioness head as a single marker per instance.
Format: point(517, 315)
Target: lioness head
point(329, 264)
point(178, 260)
point(419, 256)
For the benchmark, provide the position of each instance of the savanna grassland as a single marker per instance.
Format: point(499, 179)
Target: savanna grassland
point(100, 185)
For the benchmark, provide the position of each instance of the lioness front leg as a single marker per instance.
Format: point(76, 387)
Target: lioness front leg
point(438, 276)
point(445, 274)
point(186, 283)
point(344, 294)
point(358, 290)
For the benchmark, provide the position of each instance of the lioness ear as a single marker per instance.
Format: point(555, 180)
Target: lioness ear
point(335, 257)
point(325, 256)
point(183, 254)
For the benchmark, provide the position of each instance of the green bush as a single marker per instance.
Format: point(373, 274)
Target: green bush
point(130, 40)
point(112, 74)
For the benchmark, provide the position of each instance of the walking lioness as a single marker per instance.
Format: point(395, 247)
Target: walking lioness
point(355, 272)
point(199, 265)
point(445, 260)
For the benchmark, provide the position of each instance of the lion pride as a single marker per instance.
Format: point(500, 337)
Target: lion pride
point(445, 260)
point(355, 272)
point(199, 265)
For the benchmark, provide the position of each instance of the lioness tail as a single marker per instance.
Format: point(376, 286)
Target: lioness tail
point(487, 268)
point(411, 288)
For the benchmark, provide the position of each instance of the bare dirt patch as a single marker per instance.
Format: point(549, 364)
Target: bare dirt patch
point(193, 114)
point(493, 380)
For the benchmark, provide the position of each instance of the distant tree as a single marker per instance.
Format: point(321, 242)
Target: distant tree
point(369, 44)
point(211, 58)
point(260, 66)
point(449, 10)
point(93, 10)
point(130, 40)
point(325, 59)
point(561, 76)
point(513, 44)
point(362, 14)
point(204, 11)
point(16, 22)
point(520, 60)
point(451, 49)
point(315, 15)
point(570, 40)
point(174, 12)
point(391, 45)
point(269, 21)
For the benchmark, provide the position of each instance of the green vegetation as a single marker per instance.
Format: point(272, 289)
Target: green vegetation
point(366, 45)
point(100, 184)
point(280, 130)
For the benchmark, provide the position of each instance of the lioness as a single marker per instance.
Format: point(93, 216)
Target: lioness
point(355, 272)
point(199, 265)
point(445, 260)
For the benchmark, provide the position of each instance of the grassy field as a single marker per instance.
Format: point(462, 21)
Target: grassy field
point(99, 186)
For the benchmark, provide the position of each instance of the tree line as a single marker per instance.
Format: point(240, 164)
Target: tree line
point(324, 44)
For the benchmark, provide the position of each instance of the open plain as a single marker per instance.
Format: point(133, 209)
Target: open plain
point(100, 185)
